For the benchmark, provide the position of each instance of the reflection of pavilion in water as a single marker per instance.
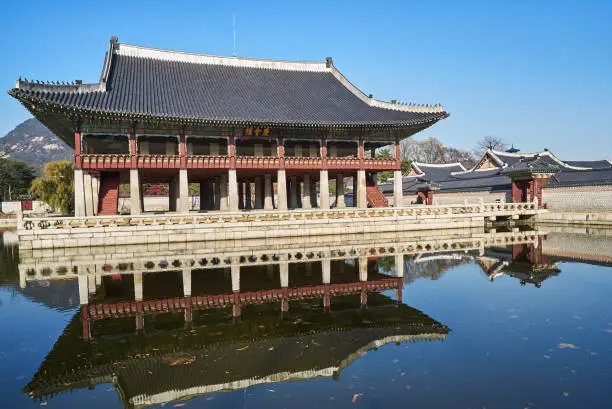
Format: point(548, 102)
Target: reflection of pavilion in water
point(179, 338)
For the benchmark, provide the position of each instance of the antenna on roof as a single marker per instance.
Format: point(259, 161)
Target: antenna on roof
point(234, 29)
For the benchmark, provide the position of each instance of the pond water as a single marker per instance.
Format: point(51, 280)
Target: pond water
point(521, 326)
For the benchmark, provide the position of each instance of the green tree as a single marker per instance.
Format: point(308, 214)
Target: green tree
point(56, 186)
point(15, 178)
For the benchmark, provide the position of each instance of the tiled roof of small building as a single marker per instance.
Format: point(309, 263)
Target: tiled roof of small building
point(437, 172)
point(593, 164)
point(149, 84)
point(582, 177)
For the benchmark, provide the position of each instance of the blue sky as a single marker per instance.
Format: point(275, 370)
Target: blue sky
point(534, 73)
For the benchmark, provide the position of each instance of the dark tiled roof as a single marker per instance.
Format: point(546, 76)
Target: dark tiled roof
point(592, 164)
point(439, 172)
point(537, 164)
point(582, 177)
point(147, 84)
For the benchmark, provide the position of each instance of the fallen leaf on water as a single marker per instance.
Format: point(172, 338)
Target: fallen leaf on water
point(179, 405)
point(209, 398)
point(565, 394)
point(594, 353)
point(408, 387)
point(564, 345)
point(395, 361)
point(43, 403)
point(609, 331)
point(514, 316)
point(355, 396)
point(242, 349)
point(271, 390)
point(547, 356)
point(403, 373)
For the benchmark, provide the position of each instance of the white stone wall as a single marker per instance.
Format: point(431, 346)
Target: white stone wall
point(578, 199)
point(14, 207)
point(460, 198)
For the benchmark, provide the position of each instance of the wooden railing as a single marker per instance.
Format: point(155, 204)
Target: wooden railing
point(161, 161)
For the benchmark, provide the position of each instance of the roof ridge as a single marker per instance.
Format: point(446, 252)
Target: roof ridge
point(129, 50)
point(440, 165)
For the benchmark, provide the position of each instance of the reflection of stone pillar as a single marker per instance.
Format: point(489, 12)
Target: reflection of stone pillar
point(258, 195)
point(83, 289)
point(399, 265)
point(79, 194)
point(340, 191)
point(284, 274)
point(363, 268)
point(268, 194)
point(235, 278)
point(324, 190)
point(293, 201)
point(362, 200)
point(224, 201)
point(281, 189)
point(326, 268)
point(306, 192)
point(138, 286)
point(187, 282)
point(91, 283)
point(397, 188)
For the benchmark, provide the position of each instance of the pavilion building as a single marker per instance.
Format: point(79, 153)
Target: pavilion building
point(254, 134)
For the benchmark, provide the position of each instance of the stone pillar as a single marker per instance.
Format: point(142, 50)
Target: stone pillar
point(284, 273)
point(293, 197)
point(249, 196)
point(326, 268)
point(88, 194)
point(135, 197)
point(281, 188)
point(399, 265)
point(184, 199)
point(306, 192)
point(223, 193)
point(79, 194)
point(95, 188)
point(240, 195)
point(233, 190)
point(363, 268)
point(235, 278)
point(398, 193)
point(362, 198)
point(138, 286)
point(268, 193)
point(340, 191)
point(324, 189)
point(258, 193)
point(83, 289)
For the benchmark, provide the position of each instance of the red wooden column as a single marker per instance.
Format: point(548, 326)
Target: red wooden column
point(78, 161)
point(281, 151)
point(361, 153)
point(231, 150)
point(85, 323)
point(133, 150)
point(182, 151)
point(516, 192)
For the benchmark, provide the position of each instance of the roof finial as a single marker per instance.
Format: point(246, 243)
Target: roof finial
point(328, 62)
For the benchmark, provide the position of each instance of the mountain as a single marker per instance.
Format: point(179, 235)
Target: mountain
point(34, 144)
